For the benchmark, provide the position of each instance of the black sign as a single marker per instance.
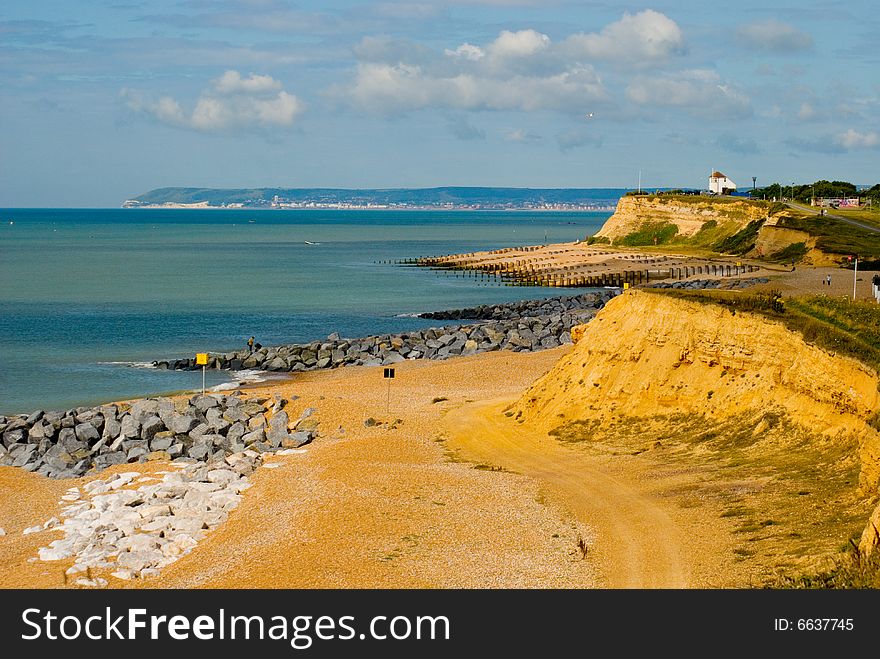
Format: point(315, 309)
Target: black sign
point(389, 372)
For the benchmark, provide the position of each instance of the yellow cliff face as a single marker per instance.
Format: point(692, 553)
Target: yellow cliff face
point(688, 215)
point(650, 355)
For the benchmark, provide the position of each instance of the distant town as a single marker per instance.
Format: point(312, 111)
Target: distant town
point(448, 198)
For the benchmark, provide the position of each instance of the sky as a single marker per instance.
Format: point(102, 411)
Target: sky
point(103, 100)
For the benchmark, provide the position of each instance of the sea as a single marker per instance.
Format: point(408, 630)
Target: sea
point(89, 298)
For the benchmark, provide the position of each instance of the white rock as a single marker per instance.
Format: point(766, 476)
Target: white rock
point(98, 582)
point(272, 465)
point(222, 476)
point(125, 575)
point(51, 523)
point(2, 532)
point(51, 554)
point(32, 529)
point(70, 497)
point(289, 451)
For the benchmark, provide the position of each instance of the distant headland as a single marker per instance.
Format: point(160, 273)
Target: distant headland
point(442, 198)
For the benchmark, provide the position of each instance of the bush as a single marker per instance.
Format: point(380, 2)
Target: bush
point(650, 233)
point(742, 241)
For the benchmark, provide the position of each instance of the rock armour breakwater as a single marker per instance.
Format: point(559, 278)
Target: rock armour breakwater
point(204, 428)
point(520, 326)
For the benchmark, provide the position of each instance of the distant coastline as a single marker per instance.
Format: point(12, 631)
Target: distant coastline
point(419, 199)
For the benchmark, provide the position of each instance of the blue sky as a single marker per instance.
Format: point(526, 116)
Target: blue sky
point(101, 101)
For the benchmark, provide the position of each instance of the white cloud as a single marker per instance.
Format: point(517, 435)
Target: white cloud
point(467, 51)
point(521, 70)
point(231, 82)
point(231, 102)
point(773, 36)
point(806, 111)
point(641, 38)
point(699, 91)
point(853, 139)
point(402, 87)
point(522, 136)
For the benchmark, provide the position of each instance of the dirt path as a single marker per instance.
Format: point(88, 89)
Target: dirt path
point(638, 543)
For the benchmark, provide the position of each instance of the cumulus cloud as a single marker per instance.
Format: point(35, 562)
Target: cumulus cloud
point(641, 38)
point(773, 36)
point(516, 71)
point(853, 139)
point(849, 140)
point(231, 102)
point(699, 91)
point(521, 70)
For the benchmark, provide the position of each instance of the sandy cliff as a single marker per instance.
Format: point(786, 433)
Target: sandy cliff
point(650, 355)
point(689, 215)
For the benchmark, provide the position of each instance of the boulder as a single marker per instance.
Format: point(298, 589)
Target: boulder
point(87, 433)
point(181, 424)
point(130, 427)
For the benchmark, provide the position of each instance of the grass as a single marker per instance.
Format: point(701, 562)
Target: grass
point(835, 237)
point(650, 233)
point(742, 241)
point(792, 252)
point(850, 570)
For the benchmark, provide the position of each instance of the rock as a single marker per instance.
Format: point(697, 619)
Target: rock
point(296, 439)
point(204, 402)
point(112, 429)
point(162, 440)
point(277, 428)
point(34, 417)
point(370, 422)
point(86, 433)
point(135, 453)
point(130, 427)
point(181, 424)
point(58, 458)
point(254, 436)
point(236, 431)
point(107, 459)
point(215, 419)
point(150, 426)
point(199, 451)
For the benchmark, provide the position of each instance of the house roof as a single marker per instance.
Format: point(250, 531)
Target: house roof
point(717, 174)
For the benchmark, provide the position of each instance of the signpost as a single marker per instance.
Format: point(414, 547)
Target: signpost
point(855, 275)
point(202, 360)
point(388, 375)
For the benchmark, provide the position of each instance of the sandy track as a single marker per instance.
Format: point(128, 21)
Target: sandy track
point(638, 544)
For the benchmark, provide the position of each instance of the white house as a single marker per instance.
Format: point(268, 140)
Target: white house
point(720, 184)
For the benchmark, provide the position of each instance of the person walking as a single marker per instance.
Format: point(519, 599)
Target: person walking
point(250, 344)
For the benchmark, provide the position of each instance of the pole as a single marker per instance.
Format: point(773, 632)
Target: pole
point(388, 398)
point(855, 274)
point(203, 378)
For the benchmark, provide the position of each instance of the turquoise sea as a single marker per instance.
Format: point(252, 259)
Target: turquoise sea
point(85, 294)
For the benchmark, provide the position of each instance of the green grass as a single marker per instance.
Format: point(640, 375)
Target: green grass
point(835, 237)
point(793, 252)
point(650, 233)
point(742, 241)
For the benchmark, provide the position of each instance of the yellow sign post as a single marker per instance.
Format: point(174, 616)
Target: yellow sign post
point(202, 360)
